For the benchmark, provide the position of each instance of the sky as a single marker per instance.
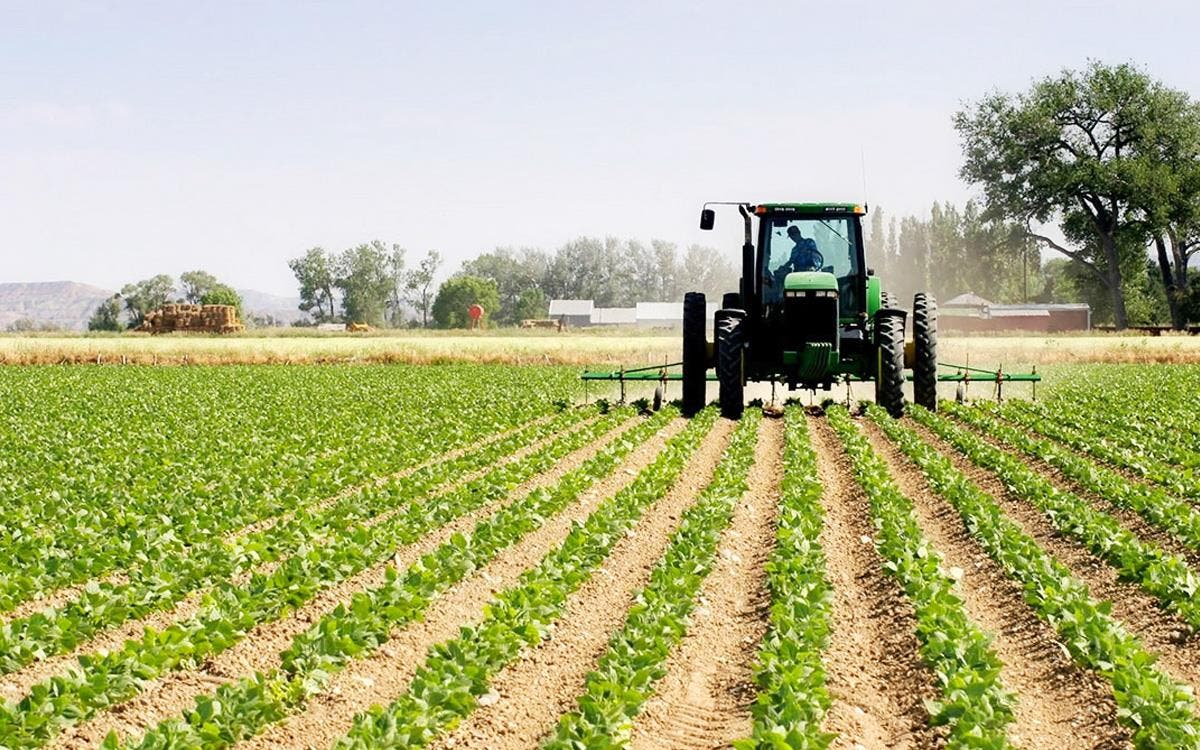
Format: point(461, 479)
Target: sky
point(143, 138)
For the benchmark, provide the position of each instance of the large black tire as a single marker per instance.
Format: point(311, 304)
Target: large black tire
point(889, 376)
point(730, 372)
point(695, 353)
point(925, 351)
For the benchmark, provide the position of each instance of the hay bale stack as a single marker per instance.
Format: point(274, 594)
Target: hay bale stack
point(193, 319)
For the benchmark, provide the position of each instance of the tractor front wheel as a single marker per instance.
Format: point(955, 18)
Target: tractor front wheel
point(695, 352)
point(925, 350)
point(730, 372)
point(889, 376)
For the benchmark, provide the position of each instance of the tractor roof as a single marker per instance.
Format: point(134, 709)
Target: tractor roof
point(810, 208)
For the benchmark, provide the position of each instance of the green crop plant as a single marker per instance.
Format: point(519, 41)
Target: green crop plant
point(790, 675)
point(1167, 577)
point(1158, 711)
point(973, 704)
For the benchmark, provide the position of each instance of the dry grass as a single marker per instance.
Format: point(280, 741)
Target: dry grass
point(577, 348)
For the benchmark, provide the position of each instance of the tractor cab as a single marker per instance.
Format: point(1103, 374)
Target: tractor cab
point(802, 239)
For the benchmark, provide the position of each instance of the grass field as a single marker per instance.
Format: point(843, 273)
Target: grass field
point(576, 348)
point(388, 556)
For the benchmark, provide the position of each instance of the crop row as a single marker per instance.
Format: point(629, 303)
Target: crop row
point(455, 673)
point(241, 709)
point(634, 660)
point(1161, 509)
point(105, 488)
point(165, 578)
point(231, 611)
point(790, 675)
point(1167, 577)
point(1120, 445)
point(973, 704)
point(1157, 711)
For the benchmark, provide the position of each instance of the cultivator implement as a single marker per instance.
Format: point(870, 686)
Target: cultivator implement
point(952, 373)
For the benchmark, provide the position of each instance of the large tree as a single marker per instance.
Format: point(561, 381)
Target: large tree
point(418, 285)
point(514, 273)
point(148, 294)
point(457, 294)
point(1078, 151)
point(316, 274)
point(107, 316)
point(195, 284)
point(366, 283)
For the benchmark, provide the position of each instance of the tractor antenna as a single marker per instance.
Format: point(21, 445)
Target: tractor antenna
point(862, 153)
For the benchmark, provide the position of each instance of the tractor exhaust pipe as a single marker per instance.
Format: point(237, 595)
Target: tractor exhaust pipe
point(749, 282)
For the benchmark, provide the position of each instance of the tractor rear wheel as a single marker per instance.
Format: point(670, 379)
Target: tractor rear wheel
point(695, 352)
point(925, 351)
point(889, 376)
point(730, 371)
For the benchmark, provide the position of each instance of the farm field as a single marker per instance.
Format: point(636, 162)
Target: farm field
point(464, 556)
point(583, 347)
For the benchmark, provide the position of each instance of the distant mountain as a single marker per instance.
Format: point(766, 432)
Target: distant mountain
point(61, 304)
point(68, 305)
point(260, 304)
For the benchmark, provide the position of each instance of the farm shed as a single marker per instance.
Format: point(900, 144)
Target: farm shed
point(614, 316)
point(572, 312)
point(970, 313)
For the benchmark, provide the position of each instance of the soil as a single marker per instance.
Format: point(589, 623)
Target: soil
point(528, 697)
point(704, 700)
point(873, 667)
point(261, 648)
point(1059, 704)
point(1161, 633)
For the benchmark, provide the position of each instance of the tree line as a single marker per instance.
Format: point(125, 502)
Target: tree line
point(371, 284)
point(129, 307)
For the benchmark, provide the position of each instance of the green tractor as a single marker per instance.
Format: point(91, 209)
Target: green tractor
point(809, 312)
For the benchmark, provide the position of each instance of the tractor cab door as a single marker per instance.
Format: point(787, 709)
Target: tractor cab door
point(813, 243)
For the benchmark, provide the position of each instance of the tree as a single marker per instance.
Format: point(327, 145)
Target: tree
point(366, 283)
point(315, 273)
point(222, 294)
point(396, 279)
point(514, 273)
point(143, 296)
point(107, 316)
point(457, 294)
point(419, 284)
point(531, 305)
point(196, 284)
point(707, 270)
point(1083, 150)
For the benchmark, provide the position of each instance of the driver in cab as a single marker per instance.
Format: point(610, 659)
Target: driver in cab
point(804, 257)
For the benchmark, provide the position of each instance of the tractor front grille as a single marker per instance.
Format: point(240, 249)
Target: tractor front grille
point(810, 317)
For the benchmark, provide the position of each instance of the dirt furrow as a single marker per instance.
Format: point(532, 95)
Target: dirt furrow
point(384, 675)
point(1128, 518)
point(60, 597)
point(874, 670)
point(17, 684)
point(260, 649)
point(1059, 704)
point(1161, 632)
point(528, 697)
point(703, 702)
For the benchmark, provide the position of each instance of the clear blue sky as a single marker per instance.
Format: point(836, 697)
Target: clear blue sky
point(138, 138)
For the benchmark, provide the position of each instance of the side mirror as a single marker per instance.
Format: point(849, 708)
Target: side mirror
point(707, 216)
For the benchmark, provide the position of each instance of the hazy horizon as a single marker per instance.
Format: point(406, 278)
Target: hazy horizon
point(157, 138)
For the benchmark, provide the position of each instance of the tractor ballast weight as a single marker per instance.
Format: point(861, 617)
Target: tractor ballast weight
point(808, 312)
